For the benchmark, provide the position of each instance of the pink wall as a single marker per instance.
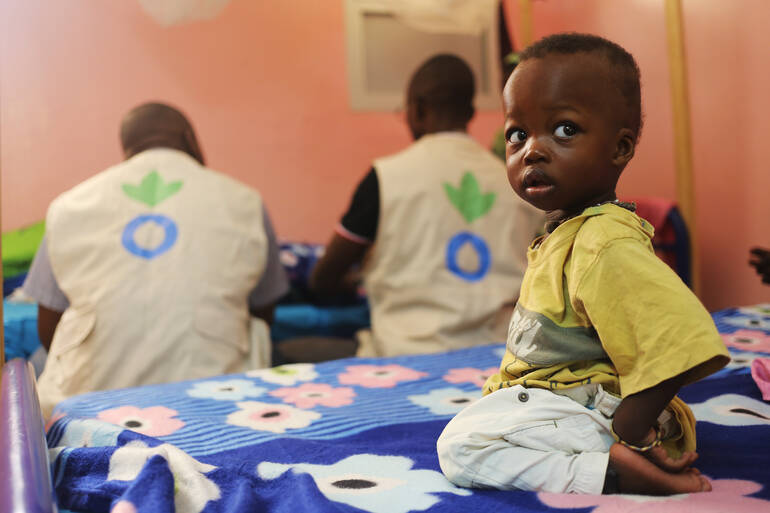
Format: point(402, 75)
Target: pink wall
point(729, 77)
point(265, 84)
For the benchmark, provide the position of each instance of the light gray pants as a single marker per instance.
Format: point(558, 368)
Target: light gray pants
point(531, 439)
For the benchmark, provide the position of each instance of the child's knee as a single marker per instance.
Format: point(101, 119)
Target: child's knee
point(466, 456)
point(453, 456)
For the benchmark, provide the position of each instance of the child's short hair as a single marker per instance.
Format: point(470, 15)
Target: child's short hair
point(623, 67)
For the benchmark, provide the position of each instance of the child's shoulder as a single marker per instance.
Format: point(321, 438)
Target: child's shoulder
point(607, 224)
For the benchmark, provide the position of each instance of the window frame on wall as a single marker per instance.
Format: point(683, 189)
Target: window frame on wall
point(366, 97)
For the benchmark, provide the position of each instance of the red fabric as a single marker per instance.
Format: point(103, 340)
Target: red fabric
point(653, 210)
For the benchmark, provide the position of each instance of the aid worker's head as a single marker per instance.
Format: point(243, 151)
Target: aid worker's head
point(440, 96)
point(157, 125)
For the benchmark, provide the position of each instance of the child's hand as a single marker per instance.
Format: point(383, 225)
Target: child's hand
point(661, 459)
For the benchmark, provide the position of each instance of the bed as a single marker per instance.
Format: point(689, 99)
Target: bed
point(359, 435)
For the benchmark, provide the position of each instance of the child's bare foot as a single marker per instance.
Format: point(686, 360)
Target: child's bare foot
point(636, 474)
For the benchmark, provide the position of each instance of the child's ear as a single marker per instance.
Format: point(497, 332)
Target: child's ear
point(624, 147)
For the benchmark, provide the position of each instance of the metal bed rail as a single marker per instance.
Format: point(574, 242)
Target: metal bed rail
point(25, 475)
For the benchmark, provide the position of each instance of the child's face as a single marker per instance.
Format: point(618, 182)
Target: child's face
point(565, 145)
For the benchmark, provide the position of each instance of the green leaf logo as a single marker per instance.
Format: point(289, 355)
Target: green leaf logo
point(468, 199)
point(152, 190)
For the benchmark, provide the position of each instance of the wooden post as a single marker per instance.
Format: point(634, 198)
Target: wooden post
point(525, 22)
point(680, 101)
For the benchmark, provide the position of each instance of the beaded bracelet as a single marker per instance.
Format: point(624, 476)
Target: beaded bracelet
point(637, 448)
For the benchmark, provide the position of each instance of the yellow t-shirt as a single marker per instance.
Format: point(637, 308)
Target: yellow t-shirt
point(598, 306)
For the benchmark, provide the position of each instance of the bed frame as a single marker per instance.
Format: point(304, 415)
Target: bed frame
point(25, 476)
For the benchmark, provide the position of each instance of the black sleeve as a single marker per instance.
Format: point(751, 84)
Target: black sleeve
point(363, 214)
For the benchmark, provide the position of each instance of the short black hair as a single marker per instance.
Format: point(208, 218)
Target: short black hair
point(151, 119)
point(623, 67)
point(445, 82)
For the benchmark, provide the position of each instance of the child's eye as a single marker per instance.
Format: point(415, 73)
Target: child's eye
point(565, 131)
point(517, 136)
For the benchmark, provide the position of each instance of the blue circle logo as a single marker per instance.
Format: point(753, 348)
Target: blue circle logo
point(482, 251)
point(164, 222)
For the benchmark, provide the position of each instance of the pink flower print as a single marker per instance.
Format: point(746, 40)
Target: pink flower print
point(276, 418)
point(152, 421)
point(309, 395)
point(469, 375)
point(748, 340)
point(727, 495)
point(288, 258)
point(378, 376)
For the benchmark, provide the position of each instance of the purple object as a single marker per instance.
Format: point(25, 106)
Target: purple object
point(25, 476)
point(760, 371)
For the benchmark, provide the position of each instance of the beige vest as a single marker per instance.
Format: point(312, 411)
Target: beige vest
point(450, 249)
point(157, 256)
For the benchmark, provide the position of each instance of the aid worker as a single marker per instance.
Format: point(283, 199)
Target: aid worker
point(149, 270)
point(441, 238)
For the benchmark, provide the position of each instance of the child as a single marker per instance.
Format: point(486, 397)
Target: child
point(604, 333)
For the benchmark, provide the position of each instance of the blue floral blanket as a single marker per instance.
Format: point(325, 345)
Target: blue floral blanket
point(359, 435)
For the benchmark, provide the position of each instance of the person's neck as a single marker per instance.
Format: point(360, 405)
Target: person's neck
point(447, 126)
point(155, 144)
point(448, 129)
point(554, 218)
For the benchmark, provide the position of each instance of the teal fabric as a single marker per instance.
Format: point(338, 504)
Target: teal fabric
point(20, 328)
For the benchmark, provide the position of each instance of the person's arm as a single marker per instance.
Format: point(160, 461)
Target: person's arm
point(644, 467)
point(47, 320)
point(333, 274)
point(636, 418)
point(658, 337)
point(266, 313)
point(41, 285)
point(274, 283)
point(638, 413)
